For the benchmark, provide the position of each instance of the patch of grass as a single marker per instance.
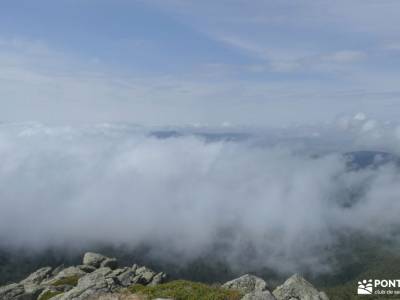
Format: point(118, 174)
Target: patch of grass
point(71, 280)
point(49, 294)
point(185, 290)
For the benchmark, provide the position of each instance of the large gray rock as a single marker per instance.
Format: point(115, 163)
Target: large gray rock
point(65, 273)
point(119, 271)
point(126, 278)
point(33, 289)
point(144, 275)
point(158, 278)
point(98, 282)
point(296, 287)
point(31, 286)
point(93, 259)
point(70, 271)
point(38, 276)
point(247, 284)
point(258, 295)
point(17, 291)
point(11, 291)
point(107, 272)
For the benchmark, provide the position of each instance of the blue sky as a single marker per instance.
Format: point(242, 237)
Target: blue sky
point(159, 62)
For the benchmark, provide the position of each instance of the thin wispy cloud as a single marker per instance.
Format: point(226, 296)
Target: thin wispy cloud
point(212, 62)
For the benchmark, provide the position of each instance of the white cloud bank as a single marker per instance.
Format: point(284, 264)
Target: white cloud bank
point(115, 184)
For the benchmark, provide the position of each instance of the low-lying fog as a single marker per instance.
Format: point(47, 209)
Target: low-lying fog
point(273, 198)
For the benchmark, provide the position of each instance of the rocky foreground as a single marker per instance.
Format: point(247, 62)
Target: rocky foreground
point(100, 277)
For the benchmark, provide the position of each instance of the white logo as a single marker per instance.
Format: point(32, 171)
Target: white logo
point(365, 287)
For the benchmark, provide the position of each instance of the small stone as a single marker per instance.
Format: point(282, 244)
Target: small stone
point(87, 268)
point(134, 267)
point(111, 263)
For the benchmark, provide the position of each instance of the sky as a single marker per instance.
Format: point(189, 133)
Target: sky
point(180, 62)
point(74, 72)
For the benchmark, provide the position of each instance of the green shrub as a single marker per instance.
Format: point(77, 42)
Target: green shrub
point(185, 290)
